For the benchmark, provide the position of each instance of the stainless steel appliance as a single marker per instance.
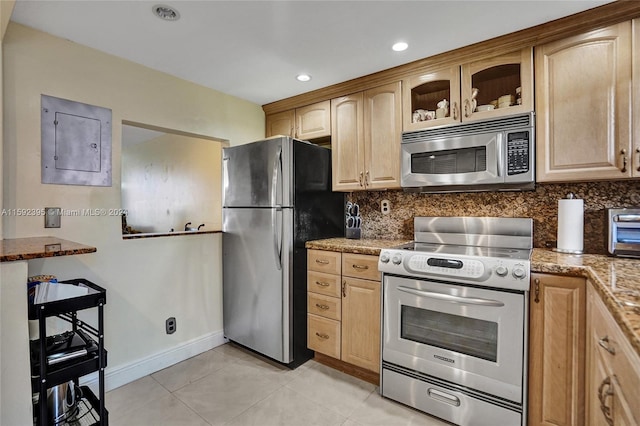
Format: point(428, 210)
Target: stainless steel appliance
point(455, 309)
point(624, 232)
point(495, 154)
point(277, 195)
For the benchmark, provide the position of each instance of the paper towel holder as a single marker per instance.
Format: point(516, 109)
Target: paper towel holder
point(570, 196)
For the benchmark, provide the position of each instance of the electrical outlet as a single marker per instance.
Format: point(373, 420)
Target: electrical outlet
point(52, 217)
point(170, 325)
point(385, 206)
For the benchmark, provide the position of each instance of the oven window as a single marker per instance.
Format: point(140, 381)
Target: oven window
point(464, 335)
point(463, 160)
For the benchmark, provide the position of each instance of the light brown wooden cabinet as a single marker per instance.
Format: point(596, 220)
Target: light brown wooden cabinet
point(344, 320)
point(306, 123)
point(366, 129)
point(492, 77)
point(556, 350)
point(613, 369)
point(583, 107)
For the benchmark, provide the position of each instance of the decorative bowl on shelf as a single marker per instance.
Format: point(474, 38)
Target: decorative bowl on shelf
point(482, 108)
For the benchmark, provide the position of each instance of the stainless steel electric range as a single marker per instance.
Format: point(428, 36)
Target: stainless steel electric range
point(455, 309)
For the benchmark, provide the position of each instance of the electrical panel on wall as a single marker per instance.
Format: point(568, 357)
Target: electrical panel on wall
point(76, 143)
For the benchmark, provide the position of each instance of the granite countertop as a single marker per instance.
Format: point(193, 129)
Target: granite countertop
point(37, 247)
point(347, 245)
point(617, 280)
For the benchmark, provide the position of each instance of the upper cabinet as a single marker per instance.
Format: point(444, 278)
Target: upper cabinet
point(486, 88)
point(309, 122)
point(583, 107)
point(366, 129)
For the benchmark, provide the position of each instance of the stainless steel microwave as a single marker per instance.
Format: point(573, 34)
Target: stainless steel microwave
point(491, 155)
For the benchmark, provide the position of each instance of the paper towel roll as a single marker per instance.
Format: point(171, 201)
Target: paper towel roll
point(571, 225)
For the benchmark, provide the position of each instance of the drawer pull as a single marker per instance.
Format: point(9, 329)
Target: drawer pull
point(604, 343)
point(602, 396)
point(322, 284)
point(322, 336)
point(323, 307)
point(360, 267)
point(322, 261)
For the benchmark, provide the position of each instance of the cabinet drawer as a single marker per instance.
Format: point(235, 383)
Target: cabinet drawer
point(360, 266)
point(323, 335)
point(319, 282)
point(325, 306)
point(323, 261)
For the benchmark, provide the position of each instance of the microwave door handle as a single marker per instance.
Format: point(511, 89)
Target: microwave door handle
point(451, 298)
point(500, 143)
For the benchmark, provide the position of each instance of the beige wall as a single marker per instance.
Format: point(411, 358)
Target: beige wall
point(171, 180)
point(147, 280)
point(6, 8)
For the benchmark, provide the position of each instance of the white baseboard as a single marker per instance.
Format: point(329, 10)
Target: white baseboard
point(123, 374)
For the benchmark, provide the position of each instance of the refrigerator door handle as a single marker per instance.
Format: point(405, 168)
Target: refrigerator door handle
point(277, 236)
point(275, 180)
point(276, 208)
point(225, 178)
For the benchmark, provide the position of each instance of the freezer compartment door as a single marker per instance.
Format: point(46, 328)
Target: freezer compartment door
point(257, 280)
point(257, 174)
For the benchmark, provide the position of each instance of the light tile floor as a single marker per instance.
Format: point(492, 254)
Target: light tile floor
point(230, 386)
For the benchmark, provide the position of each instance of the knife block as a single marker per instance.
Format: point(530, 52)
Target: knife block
point(352, 233)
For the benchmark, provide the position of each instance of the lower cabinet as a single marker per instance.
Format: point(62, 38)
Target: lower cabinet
point(556, 350)
point(343, 307)
point(613, 369)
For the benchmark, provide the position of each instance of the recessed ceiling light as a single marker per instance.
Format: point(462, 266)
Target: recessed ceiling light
point(165, 12)
point(303, 77)
point(400, 46)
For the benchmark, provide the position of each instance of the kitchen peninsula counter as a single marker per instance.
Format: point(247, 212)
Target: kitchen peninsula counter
point(617, 280)
point(37, 247)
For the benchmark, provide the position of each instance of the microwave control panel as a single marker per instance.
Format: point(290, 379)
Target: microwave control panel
point(517, 153)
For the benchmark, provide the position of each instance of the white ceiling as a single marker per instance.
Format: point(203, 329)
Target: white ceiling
point(254, 49)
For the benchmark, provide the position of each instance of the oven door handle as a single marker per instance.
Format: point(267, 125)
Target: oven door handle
point(451, 298)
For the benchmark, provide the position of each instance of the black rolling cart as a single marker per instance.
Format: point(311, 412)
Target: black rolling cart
point(57, 362)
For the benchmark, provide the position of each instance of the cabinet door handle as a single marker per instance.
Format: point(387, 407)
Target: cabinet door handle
point(322, 336)
point(360, 267)
point(602, 396)
point(604, 343)
point(323, 307)
point(344, 289)
point(455, 110)
point(322, 284)
point(360, 180)
point(623, 152)
point(638, 152)
point(467, 107)
point(322, 261)
point(537, 290)
point(366, 178)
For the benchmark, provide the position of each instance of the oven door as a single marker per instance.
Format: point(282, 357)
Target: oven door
point(469, 336)
point(463, 160)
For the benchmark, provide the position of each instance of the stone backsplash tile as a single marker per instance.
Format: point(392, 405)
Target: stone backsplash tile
point(541, 205)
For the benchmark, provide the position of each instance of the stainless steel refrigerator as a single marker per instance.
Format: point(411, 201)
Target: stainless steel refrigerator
point(277, 195)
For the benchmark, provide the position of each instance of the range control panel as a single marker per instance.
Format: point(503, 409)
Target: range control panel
point(488, 271)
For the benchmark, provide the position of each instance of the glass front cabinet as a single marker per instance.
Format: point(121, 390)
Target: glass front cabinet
point(486, 88)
